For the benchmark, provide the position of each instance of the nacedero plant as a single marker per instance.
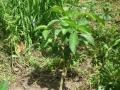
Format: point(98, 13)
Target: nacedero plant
point(66, 34)
point(63, 29)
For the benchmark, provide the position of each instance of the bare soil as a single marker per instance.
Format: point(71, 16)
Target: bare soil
point(40, 79)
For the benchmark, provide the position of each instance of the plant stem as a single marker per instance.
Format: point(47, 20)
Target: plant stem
point(61, 82)
point(63, 75)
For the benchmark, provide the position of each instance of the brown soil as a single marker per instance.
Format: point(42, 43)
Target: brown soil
point(42, 79)
point(45, 80)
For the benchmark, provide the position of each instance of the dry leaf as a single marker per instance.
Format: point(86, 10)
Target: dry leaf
point(20, 47)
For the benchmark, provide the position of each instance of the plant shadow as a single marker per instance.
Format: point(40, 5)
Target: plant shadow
point(50, 80)
point(45, 79)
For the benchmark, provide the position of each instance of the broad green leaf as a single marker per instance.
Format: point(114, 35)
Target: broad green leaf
point(93, 17)
point(66, 8)
point(48, 41)
point(56, 9)
point(45, 34)
point(83, 28)
point(71, 23)
point(64, 31)
point(83, 21)
point(51, 23)
point(73, 42)
point(64, 23)
point(4, 85)
point(41, 27)
point(88, 37)
point(56, 33)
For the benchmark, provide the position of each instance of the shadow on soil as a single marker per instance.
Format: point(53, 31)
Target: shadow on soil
point(50, 80)
point(45, 79)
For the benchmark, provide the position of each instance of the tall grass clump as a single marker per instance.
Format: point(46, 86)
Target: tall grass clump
point(21, 17)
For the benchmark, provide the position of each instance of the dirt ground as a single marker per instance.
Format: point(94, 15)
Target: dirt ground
point(40, 79)
point(23, 77)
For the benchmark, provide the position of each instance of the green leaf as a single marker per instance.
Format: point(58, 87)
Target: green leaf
point(56, 33)
point(51, 23)
point(117, 43)
point(96, 18)
point(83, 28)
point(64, 31)
point(66, 8)
point(71, 23)
point(56, 9)
point(50, 40)
point(73, 42)
point(41, 27)
point(88, 37)
point(93, 16)
point(4, 85)
point(83, 21)
point(45, 34)
point(63, 23)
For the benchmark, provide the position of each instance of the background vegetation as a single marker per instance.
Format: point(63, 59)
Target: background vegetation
point(61, 36)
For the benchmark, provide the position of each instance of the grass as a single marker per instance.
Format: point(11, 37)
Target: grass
point(22, 17)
